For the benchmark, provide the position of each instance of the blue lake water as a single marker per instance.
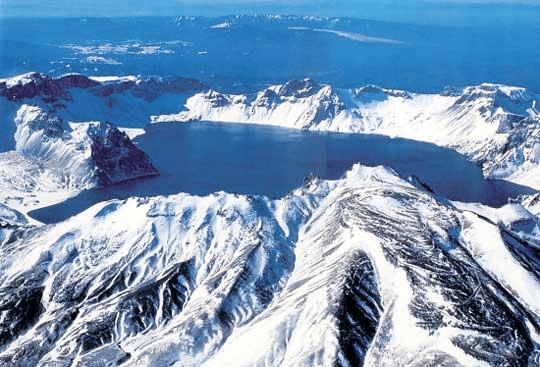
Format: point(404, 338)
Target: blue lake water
point(204, 157)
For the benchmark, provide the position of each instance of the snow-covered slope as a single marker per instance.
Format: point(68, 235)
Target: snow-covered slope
point(532, 203)
point(127, 101)
point(367, 269)
point(51, 157)
point(494, 125)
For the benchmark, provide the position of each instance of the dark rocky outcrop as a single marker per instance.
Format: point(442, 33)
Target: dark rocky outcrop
point(116, 157)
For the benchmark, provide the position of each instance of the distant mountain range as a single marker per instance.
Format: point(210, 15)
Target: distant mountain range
point(245, 53)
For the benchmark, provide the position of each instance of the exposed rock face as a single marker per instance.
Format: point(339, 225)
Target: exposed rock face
point(299, 88)
point(150, 88)
point(31, 85)
point(115, 156)
point(36, 84)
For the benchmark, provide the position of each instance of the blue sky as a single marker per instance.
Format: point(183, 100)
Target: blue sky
point(418, 11)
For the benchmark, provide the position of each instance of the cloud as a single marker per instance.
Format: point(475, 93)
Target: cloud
point(352, 36)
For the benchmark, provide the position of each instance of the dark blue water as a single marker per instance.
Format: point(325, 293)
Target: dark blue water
point(202, 157)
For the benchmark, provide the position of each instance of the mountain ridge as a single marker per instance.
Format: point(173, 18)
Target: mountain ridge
point(231, 270)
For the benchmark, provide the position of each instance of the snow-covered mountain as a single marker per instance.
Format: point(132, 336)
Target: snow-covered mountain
point(495, 125)
point(366, 270)
point(370, 269)
point(45, 158)
point(55, 157)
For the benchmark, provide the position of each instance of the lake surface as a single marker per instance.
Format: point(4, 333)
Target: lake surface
point(205, 157)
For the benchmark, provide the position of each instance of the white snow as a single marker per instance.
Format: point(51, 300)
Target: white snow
point(298, 250)
point(11, 217)
point(475, 121)
point(115, 79)
point(487, 248)
point(505, 215)
point(22, 79)
point(132, 133)
point(51, 160)
point(125, 110)
point(494, 124)
point(532, 203)
point(223, 25)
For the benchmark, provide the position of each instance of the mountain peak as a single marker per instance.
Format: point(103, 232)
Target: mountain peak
point(300, 88)
point(514, 94)
point(495, 99)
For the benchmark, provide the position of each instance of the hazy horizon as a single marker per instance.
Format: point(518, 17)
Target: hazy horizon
point(419, 11)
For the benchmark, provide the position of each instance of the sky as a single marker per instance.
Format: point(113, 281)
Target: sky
point(415, 11)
